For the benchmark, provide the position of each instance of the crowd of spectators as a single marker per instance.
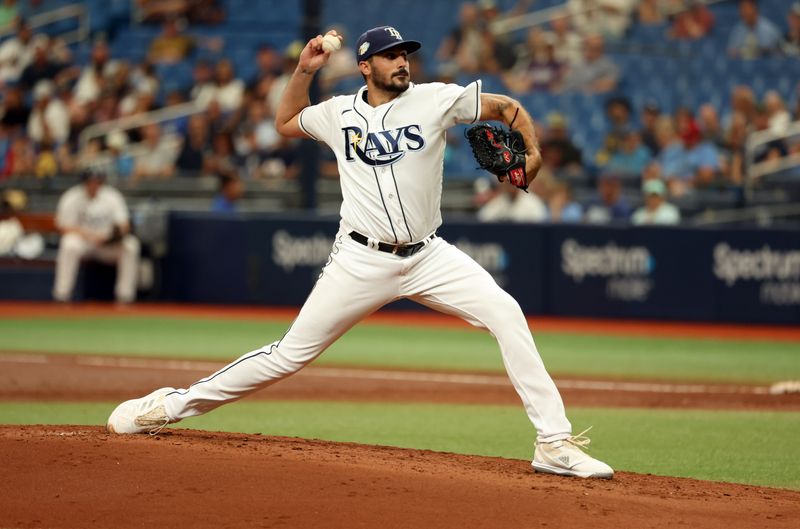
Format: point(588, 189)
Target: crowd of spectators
point(659, 156)
point(48, 102)
point(569, 54)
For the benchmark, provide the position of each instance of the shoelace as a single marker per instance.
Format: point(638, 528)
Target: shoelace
point(157, 429)
point(580, 440)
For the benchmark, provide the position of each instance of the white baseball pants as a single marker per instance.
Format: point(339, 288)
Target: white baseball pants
point(357, 281)
point(73, 248)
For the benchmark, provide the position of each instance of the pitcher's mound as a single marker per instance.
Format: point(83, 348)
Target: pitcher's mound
point(78, 476)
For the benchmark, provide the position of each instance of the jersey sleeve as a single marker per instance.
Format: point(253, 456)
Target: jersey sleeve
point(461, 104)
point(67, 211)
point(119, 211)
point(317, 121)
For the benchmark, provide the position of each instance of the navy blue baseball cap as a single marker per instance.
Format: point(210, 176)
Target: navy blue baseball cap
point(380, 39)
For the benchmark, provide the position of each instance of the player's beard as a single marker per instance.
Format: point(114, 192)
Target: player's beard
point(394, 82)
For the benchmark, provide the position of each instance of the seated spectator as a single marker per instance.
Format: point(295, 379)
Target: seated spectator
point(93, 78)
point(693, 23)
point(743, 101)
point(156, 160)
point(45, 165)
point(511, 204)
point(94, 223)
point(609, 205)
point(171, 45)
point(221, 160)
point(598, 74)
point(117, 163)
point(462, 49)
point(230, 193)
point(777, 115)
point(708, 121)
point(701, 158)
point(672, 157)
point(773, 150)
point(567, 43)
point(143, 79)
point(559, 153)
point(754, 36)
point(20, 158)
point(49, 119)
point(536, 68)
point(195, 147)
point(618, 112)
point(229, 91)
point(560, 205)
point(648, 117)
point(631, 158)
point(265, 136)
point(203, 86)
point(17, 52)
point(656, 209)
point(791, 46)
point(290, 61)
point(268, 66)
point(14, 112)
point(41, 67)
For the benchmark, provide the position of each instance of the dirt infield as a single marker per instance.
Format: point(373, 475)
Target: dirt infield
point(79, 476)
point(70, 476)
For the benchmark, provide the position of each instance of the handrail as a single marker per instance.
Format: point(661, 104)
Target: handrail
point(763, 213)
point(79, 11)
point(542, 16)
point(138, 120)
point(758, 170)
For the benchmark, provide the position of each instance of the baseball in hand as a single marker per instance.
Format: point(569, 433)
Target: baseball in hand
point(331, 43)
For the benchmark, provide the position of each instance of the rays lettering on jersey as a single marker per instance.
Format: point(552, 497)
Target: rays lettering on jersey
point(384, 147)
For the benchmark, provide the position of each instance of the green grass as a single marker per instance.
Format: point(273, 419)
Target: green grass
point(411, 347)
point(758, 448)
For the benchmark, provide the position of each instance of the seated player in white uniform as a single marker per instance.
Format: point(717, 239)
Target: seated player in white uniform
point(94, 223)
point(389, 140)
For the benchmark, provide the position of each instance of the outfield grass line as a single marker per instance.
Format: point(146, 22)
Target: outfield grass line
point(405, 376)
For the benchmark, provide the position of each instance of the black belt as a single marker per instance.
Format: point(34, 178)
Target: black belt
point(402, 250)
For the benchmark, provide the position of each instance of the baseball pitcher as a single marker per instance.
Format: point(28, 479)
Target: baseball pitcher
point(389, 141)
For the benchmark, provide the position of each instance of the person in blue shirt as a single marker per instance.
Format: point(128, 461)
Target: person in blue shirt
point(230, 192)
point(754, 35)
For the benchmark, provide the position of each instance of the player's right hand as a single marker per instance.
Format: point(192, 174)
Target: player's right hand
point(313, 57)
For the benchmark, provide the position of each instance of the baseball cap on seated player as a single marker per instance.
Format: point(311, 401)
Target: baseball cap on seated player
point(380, 39)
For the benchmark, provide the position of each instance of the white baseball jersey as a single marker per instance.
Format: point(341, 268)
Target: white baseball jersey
point(99, 214)
point(391, 157)
point(390, 161)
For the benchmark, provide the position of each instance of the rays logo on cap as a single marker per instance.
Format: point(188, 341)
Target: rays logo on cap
point(363, 49)
point(393, 32)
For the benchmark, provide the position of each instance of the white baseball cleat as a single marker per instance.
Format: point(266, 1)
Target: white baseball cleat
point(146, 414)
point(566, 458)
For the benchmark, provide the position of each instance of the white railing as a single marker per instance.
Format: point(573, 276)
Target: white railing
point(79, 11)
point(101, 129)
point(761, 215)
point(756, 171)
point(543, 16)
